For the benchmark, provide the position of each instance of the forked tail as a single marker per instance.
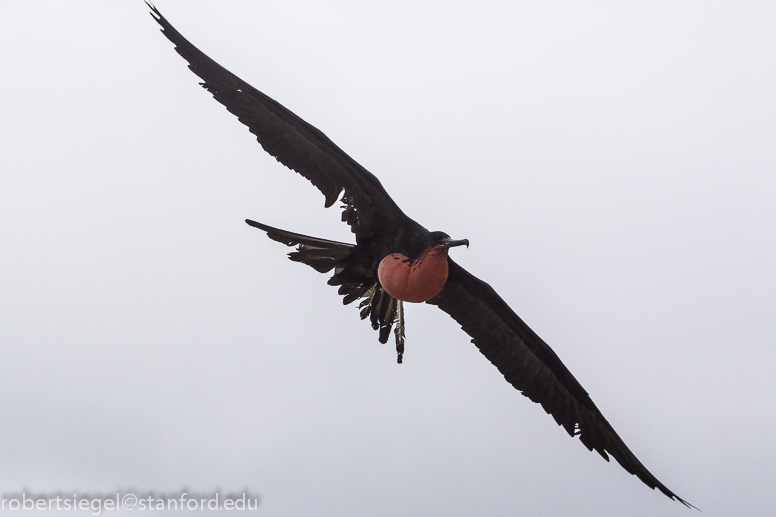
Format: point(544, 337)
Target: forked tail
point(356, 277)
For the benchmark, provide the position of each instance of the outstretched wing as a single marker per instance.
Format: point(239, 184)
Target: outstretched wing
point(295, 143)
point(533, 368)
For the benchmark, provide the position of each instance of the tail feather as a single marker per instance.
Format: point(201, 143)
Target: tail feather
point(355, 280)
point(320, 254)
point(292, 239)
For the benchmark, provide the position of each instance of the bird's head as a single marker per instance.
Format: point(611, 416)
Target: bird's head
point(431, 240)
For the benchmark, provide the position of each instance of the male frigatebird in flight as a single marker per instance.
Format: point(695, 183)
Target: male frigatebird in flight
point(397, 260)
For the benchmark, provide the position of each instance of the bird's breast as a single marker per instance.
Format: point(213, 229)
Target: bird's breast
point(414, 280)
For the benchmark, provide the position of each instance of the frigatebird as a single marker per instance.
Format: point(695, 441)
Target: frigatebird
point(396, 260)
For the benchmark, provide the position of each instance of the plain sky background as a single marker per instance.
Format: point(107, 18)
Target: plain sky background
point(612, 163)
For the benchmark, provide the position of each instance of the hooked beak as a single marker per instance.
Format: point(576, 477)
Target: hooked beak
point(451, 243)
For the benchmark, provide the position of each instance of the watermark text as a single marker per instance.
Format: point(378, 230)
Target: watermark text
point(122, 500)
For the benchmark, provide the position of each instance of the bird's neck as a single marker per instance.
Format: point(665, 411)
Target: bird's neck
point(416, 280)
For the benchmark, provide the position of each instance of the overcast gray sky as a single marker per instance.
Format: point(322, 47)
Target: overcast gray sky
point(612, 164)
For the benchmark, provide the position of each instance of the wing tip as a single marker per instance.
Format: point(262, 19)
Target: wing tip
point(154, 11)
point(691, 506)
point(675, 497)
point(657, 485)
